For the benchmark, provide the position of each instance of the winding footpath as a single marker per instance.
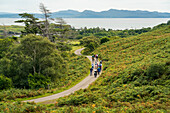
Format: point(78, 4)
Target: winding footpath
point(81, 85)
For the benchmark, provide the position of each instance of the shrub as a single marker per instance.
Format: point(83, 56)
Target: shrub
point(155, 70)
point(19, 107)
point(5, 82)
point(104, 39)
point(91, 46)
point(5, 45)
point(63, 46)
point(86, 41)
point(38, 81)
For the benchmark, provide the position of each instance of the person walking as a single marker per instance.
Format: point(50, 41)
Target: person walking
point(100, 66)
point(96, 65)
point(91, 70)
point(93, 58)
point(98, 70)
point(92, 65)
point(100, 61)
point(96, 57)
point(95, 73)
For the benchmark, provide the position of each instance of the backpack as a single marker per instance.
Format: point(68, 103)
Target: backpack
point(101, 62)
point(100, 66)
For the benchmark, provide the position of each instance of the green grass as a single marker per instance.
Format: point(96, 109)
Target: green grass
point(74, 48)
point(12, 28)
point(74, 42)
point(75, 45)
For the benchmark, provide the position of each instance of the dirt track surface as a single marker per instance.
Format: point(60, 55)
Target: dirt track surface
point(81, 85)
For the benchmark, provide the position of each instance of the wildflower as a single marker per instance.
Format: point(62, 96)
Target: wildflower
point(138, 95)
point(93, 105)
point(56, 104)
point(94, 111)
point(124, 85)
point(7, 109)
point(35, 107)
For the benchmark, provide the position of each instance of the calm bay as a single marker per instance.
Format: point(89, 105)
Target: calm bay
point(107, 23)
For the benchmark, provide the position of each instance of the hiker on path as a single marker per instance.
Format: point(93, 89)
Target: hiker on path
point(100, 61)
point(93, 58)
point(96, 65)
point(96, 57)
point(95, 73)
point(100, 66)
point(91, 70)
point(92, 65)
point(98, 70)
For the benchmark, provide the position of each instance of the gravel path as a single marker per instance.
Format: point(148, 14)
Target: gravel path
point(81, 85)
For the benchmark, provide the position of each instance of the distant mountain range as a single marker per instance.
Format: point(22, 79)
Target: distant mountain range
point(112, 13)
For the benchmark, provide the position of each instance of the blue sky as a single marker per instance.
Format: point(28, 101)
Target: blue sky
point(30, 6)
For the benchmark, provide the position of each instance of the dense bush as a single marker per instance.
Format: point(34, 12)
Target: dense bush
point(90, 43)
point(78, 68)
point(63, 46)
point(168, 23)
point(19, 107)
point(5, 45)
point(104, 39)
point(86, 41)
point(37, 81)
point(5, 82)
point(156, 70)
point(12, 94)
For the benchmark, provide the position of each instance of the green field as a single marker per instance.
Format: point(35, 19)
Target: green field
point(11, 30)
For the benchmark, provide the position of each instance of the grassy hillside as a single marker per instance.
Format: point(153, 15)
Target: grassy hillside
point(135, 77)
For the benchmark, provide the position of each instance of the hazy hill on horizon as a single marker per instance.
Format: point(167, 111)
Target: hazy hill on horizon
point(111, 13)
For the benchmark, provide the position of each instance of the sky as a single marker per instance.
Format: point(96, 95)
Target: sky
point(32, 6)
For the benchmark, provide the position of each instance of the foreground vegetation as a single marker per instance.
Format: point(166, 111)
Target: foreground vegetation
point(135, 77)
point(77, 70)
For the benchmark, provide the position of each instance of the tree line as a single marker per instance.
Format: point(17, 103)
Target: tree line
point(34, 60)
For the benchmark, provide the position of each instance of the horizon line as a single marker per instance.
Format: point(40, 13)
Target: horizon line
point(85, 10)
